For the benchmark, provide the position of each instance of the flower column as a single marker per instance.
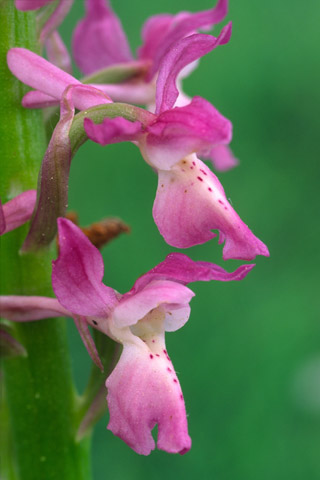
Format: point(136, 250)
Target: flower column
point(38, 390)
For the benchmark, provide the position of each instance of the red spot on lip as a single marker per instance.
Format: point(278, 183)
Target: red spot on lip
point(169, 369)
point(220, 201)
point(157, 355)
point(193, 163)
point(210, 189)
point(175, 380)
point(204, 173)
point(151, 356)
point(199, 178)
point(181, 396)
point(153, 341)
point(165, 351)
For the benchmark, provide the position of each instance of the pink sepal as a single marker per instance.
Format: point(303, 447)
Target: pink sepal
point(25, 309)
point(178, 267)
point(36, 99)
point(143, 390)
point(57, 52)
point(99, 40)
point(182, 25)
point(135, 92)
point(154, 30)
point(183, 53)
point(17, 211)
point(77, 274)
point(38, 73)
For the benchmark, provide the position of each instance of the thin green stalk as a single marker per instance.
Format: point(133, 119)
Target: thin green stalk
point(40, 398)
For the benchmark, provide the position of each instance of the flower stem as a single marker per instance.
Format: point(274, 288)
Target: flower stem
point(40, 399)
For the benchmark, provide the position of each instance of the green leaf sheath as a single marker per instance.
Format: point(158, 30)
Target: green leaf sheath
point(39, 401)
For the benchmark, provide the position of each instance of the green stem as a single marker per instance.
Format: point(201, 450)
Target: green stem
point(40, 398)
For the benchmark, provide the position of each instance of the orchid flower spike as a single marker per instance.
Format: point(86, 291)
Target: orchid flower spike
point(17, 211)
point(143, 389)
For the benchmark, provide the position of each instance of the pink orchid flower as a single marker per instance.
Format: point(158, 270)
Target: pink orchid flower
point(99, 41)
point(143, 389)
point(190, 201)
point(17, 211)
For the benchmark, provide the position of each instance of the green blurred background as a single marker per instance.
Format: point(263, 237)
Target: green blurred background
point(249, 357)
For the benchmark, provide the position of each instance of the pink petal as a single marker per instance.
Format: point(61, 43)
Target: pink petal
point(143, 392)
point(38, 73)
point(198, 205)
point(135, 305)
point(36, 99)
point(185, 24)
point(77, 274)
point(221, 157)
point(128, 92)
point(184, 130)
point(25, 5)
point(57, 52)
point(25, 309)
point(17, 211)
point(84, 332)
point(83, 97)
point(112, 130)
point(99, 40)
point(184, 52)
point(153, 32)
point(136, 92)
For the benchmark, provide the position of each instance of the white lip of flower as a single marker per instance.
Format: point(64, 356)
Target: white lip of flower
point(148, 332)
